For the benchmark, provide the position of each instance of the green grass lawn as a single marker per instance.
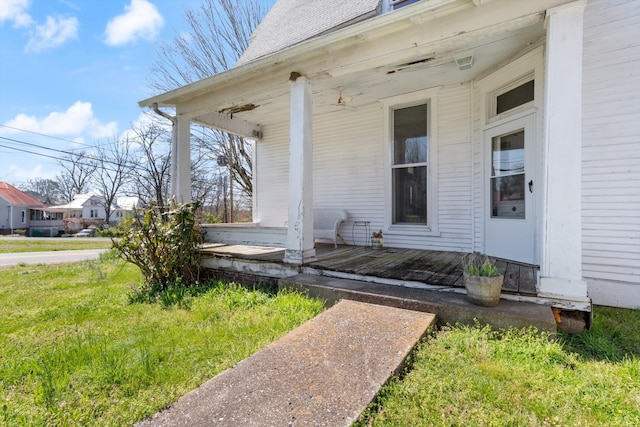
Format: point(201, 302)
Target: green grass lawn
point(75, 352)
point(9, 245)
point(472, 376)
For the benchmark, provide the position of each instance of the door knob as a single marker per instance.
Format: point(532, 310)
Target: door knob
point(531, 186)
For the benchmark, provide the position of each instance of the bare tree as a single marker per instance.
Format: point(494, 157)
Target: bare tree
point(113, 166)
point(152, 173)
point(47, 189)
point(218, 34)
point(78, 170)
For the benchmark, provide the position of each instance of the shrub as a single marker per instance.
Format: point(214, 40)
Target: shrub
point(163, 243)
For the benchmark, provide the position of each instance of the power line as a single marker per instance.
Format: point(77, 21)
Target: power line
point(45, 135)
point(58, 138)
point(65, 159)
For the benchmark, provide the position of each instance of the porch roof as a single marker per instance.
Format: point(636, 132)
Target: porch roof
point(399, 52)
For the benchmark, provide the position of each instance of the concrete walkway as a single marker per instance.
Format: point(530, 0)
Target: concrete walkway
point(323, 373)
point(49, 257)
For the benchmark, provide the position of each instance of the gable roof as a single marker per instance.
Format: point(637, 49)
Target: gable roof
point(290, 22)
point(79, 200)
point(18, 198)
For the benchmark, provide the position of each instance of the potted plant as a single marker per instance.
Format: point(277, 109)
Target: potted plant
point(376, 239)
point(482, 280)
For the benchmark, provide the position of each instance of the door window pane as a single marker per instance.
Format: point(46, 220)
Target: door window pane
point(507, 197)
point(507, 180)
point(508, 154)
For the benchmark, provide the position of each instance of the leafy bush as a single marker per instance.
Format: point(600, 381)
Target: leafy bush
point(164, 245)
point(209, 218)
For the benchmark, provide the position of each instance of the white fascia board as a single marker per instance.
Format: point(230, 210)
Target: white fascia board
point(426, 10)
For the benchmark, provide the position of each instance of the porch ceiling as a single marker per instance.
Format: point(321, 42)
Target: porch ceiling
point(370, 61)
point(411, 72)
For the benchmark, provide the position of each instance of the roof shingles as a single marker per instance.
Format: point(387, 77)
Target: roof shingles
point(290, 22)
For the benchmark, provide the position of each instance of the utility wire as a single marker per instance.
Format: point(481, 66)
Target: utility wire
point(45, 135)
point(128, 164)
point(59, 159)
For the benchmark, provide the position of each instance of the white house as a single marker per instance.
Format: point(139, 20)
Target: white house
point(19, 210)
point(91, 206)
point(510, 127)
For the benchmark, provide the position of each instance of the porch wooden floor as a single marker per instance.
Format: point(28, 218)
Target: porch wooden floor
point(431, 267)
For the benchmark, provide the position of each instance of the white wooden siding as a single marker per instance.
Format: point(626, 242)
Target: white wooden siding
point(350, 171)
point(272, 176)
point(454, 169)
point(611, 152)
point(477, 185)
point(348, 165)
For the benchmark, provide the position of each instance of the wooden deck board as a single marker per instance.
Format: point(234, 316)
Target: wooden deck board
point(527, 282)
point(436, 268)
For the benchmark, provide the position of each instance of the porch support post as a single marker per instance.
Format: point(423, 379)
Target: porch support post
point(561, 266)
point(300, 226)
point(182, 158)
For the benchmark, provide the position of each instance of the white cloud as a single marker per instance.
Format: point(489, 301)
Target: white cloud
point(15, 11)
point(53, 33)
point(141, 20)
point(21, 173)
point(75, 121)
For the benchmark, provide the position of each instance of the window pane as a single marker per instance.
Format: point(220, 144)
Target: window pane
point(397, 4)
point(410, 135)
point(507, 197)
point(507, 155)
point(410, 195)
point(515, 97)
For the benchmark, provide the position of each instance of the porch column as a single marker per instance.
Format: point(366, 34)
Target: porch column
point(561, 266)
point(300, 226)
point(181, 160)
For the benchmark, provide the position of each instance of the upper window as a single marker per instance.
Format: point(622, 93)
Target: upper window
point(515, 95)
point(389, 5)
point(409, 166)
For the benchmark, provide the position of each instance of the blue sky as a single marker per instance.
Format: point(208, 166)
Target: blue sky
point(74, 70)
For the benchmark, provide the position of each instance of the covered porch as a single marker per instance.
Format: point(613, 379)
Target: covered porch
point(323, 115)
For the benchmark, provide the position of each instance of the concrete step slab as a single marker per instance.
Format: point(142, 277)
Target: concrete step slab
point(323, 373)
point(449, 307)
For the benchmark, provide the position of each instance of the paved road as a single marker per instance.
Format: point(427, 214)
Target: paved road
point(49, 257)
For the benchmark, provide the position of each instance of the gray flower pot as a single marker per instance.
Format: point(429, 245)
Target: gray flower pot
point(483, 290)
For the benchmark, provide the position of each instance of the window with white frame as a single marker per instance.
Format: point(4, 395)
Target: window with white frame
point(24, 217)
point(390, 5)
point(409, 166)
point(513, 97)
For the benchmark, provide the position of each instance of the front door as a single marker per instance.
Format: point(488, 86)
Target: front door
point(509, 190)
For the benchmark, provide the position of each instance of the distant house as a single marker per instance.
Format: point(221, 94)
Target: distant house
point(509, 127)
point(90, 206)
point(20, 211)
